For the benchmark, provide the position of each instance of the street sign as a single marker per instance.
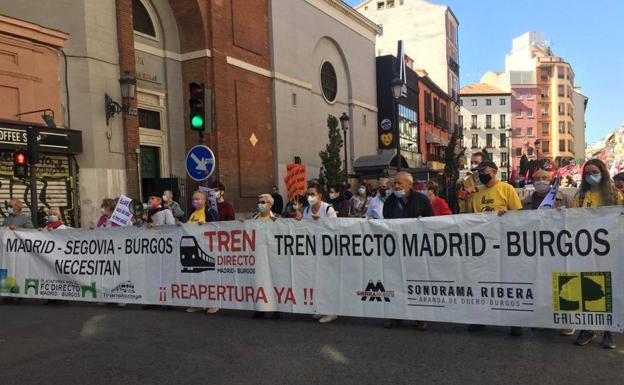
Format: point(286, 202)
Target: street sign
point(200, 163)
point(50, 140)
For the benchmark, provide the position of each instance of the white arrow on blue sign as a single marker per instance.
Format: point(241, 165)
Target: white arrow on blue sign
point(200, 163)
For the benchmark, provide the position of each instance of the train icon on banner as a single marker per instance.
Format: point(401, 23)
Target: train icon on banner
point(193, 258)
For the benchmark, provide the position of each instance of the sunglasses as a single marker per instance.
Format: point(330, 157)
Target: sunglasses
point(262, 202)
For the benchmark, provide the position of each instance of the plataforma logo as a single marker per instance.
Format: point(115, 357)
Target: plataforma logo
point(31, 284)
point(582, 292)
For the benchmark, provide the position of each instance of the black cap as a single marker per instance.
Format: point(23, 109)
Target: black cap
point(155, 194)
point(484, 164)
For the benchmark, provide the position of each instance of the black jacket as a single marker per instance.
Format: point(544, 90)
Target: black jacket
point(278, 204)
point(341, 206)
point(417, 205)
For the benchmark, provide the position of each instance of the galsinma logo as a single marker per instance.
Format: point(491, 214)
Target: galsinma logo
point(582, 292)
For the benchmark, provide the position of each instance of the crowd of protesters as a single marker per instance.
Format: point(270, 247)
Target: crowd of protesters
point(480, 192)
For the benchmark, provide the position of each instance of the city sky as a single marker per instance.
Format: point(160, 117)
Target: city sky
point(587, 35)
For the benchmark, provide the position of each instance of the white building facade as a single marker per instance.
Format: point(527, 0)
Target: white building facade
point(486, 116)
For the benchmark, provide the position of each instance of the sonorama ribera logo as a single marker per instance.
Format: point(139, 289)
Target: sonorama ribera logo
point(582, 298)
point(375, 292)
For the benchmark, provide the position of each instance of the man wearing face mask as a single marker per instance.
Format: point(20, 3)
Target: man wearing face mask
point(226, 210)
point(403, 203)
point(172, 205)
point(338, 202)
point(15, 218)
point(493, 195)
point(470, 185)
point(541, 183)
point(265, 205)
point(375, 208)
point(156, 214)
point(318, 209)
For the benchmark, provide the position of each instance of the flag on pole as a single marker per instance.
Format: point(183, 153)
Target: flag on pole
point(550, 198)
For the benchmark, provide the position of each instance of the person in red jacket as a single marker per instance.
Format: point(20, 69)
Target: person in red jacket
point(439, 205)
point(226, 210)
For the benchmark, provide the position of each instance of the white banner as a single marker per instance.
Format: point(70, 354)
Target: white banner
point(543, 268)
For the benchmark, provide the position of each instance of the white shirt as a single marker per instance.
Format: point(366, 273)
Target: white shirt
point(375, 208)
point(163, 217)
point(326, 211)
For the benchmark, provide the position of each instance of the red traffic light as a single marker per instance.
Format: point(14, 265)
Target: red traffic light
point(20, 158)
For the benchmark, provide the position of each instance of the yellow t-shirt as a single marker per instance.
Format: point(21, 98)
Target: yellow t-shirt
point(594, 199)
point(501, 196)
point(197, 216)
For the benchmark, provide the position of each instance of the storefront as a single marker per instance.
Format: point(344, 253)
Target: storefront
point(57, 170)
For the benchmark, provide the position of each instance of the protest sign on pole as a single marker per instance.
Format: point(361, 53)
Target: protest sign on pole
point(541, 268)
point(122, 215)
point(295, 179)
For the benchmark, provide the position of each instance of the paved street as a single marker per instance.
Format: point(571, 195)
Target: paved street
point(87, 344)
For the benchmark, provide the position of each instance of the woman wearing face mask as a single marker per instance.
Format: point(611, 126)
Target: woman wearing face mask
point(596, 190)
point(360, 201)
point(201, 214)
point(54, 221)
point(107, 208)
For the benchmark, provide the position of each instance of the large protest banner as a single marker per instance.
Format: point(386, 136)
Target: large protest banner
point(543, 268)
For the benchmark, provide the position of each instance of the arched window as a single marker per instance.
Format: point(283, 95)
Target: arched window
point(329, 82)
point(142, 22)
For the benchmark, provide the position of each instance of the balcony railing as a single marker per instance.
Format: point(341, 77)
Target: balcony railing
point(488, 126)
point(453, 65)
point(473, 127)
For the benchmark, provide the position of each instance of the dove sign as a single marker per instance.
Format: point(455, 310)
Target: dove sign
point(200, 163)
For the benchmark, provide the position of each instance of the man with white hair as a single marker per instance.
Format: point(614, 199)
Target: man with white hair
point(265, 203)
point(15, 218)
point(172, 205)
point(404, 203)
point(375, 208)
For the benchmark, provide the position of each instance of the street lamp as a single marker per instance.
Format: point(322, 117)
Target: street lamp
point(396, 85)
point(536, 144)
point(344, 123)
point(128, 88)
point(509, 151)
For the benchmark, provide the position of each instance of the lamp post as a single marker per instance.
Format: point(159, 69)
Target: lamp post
point(344, 124)
point(536, 144)
point(509, 152)
point(128, 88)
point(396, 86)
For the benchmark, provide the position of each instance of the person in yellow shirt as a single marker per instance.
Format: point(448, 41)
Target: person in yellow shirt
point(494, 195)
point(597, 190)
point(201, 215)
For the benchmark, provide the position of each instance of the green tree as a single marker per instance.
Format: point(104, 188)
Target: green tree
point(330, 157)
point(453, 155)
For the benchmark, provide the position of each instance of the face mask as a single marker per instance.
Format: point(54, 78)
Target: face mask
point(261, 208)
point(399, 193)
point(218, 194)
point(312, 200)
point(10, 210)
point(102, 210)
point(485, 178)
point(425, 193)
point(165, 199)
point(52, 218)
point(361, 191)
point(334, 195)
point(197, 203)
point(593, 179)
point(541, 186)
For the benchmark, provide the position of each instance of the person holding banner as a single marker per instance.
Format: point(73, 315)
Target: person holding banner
point(318, 209)
point(15, 218)
point(375, 208)
point(338, 202)
point(403, 203)
point(494, 196)
point(201, 215)
point(597, 190)
point(54, 220)
point(156, 214)
point(542, 181)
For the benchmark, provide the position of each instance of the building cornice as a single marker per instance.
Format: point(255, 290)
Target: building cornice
point(33, 32)
point(334, 8)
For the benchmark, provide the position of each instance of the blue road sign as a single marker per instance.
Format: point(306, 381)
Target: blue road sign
point(200, 163)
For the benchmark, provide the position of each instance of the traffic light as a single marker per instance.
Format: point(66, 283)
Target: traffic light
point(20, 164)
point(197, 106)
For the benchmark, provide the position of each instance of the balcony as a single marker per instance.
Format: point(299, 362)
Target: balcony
point(453, 66)
point(488, 126)
point(473, 127)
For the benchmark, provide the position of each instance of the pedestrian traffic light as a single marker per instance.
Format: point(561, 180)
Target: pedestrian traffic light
point(20, 164)
point(197, 106)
